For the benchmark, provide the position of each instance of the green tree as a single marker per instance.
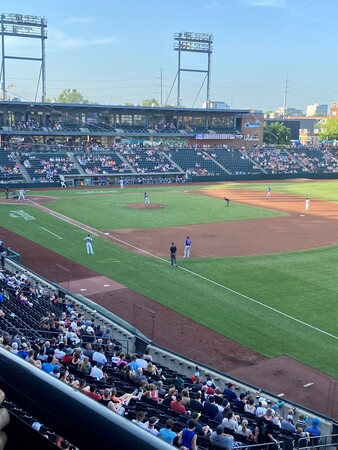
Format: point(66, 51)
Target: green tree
point(329, 130)
point(150, 102)
point(276, 133)
point(128, 104)
point(70, 96)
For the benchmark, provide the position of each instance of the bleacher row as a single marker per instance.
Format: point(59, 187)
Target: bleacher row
point(75, 127)
point(33, 313)
point(134, 159)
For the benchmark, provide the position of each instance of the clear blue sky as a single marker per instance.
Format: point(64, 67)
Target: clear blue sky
point(113, 51)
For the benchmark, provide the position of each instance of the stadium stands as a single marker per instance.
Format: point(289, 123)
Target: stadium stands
point(56, 334)
point(9, 170)
point(195, 162)
point(235, 161)
point(103, 163)
point(48, 166)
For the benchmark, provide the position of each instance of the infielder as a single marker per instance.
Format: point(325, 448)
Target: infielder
point(268, 195)
point(89, 245)
point(186, 253)
point(227, 200)
point(307, 204)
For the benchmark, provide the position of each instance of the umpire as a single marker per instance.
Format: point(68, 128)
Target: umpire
point(173, 250)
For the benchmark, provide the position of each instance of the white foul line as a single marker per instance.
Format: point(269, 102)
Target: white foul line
point(51, 232)
point(98, 232)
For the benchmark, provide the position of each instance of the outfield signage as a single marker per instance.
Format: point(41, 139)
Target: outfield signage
point(218, 136)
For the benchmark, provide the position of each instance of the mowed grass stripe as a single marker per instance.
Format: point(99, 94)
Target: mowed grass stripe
point(226, 312)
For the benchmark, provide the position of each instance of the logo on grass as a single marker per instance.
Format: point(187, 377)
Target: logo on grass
point(20, 214)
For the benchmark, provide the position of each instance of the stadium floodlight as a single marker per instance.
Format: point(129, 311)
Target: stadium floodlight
point(187, 41)
point(24, 26)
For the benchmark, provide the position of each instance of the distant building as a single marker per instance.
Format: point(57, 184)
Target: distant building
point(216, 105)
point(334, 109)
point(316, 110)
point(280, 112)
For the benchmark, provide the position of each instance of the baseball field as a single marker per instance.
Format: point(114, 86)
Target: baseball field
point(262, 272)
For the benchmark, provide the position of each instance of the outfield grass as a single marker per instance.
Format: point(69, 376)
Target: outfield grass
point(110, 211)
point(253, 300)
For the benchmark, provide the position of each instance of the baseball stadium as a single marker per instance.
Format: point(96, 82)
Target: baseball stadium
point(94, 198)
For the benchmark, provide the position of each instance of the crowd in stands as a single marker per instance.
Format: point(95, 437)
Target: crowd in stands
point(186, 411)
point(27, 125)
point(9, 167)
point(95, 163)
point(56, 158)
point(47, 167)
point(145, 160)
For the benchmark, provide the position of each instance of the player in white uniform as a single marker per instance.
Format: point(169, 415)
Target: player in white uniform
point(122, 183)
point(22, 194)
point(89, 245)
point(307, 204)
point(186, 253)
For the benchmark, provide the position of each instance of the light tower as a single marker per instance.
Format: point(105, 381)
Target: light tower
point(196, 43)
point(18, 25)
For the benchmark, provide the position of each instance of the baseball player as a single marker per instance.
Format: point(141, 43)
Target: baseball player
point(89, 244)
point(307, 204)
point(268, 195)
point(146, 199)
point(186, 253)
point(22, 195)
point(121, 183)
point(227, 200)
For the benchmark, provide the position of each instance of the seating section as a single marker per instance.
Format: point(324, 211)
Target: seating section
point(47, 167)
point(195, 162)
point(235, 161)
point(9, 170)
point(276, 160)
point(46, 162)
point(103, 163)
point(148, 160)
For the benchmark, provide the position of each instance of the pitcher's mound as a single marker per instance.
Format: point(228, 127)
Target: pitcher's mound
point(142, 206)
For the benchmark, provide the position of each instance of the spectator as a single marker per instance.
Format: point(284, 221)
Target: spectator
point(210, 409)
point(187, 437)
point(221, 439)
point(313, 429)
point(166, 434)
point(177, 406)
point(229, 392)
point(287, 424)
point(99, 356)
point(230, 421)
point(97, 372)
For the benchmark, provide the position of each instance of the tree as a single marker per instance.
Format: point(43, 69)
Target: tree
point(70, 96)
point(150, 102)
point(329, 130)
point(128, 104)
point(276, 133)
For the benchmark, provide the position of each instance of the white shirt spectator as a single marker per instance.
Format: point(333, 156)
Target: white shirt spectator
point(99, 357)
point(96, 373)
